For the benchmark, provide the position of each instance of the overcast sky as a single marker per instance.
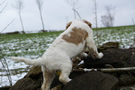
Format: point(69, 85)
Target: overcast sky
point(57, 13)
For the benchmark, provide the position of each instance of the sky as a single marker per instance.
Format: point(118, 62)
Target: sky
point(56, 13)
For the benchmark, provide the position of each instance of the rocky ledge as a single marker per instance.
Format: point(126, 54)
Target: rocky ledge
point(114, 57)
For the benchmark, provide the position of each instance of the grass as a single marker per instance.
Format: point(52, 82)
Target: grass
point(16, 44)
point(34, 45)
point(123, 34)
point(116, 28)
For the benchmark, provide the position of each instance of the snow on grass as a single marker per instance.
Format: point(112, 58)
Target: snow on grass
point(125, 36)
point(17, 71)
point(27, 45)
point(34, 45)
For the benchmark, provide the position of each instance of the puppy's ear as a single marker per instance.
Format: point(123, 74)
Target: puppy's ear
point(88, 23)
point(68, 24)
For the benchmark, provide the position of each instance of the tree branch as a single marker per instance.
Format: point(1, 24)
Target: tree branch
point(8, 72)
point(77, 13)
point(3, 7)
point(8, 25)
point(2, 2)
point(5, 65)
point(107, 69)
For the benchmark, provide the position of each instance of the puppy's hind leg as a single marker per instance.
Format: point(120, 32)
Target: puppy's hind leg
point(47, 79)
point(65, 72)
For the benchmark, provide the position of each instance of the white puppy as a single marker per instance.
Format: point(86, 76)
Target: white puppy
point(73, 41)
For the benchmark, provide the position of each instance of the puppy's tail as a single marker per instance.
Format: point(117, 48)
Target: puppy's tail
point(34, 62)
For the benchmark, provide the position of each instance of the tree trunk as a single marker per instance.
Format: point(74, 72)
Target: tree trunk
point(42, 21)
point(21, 22)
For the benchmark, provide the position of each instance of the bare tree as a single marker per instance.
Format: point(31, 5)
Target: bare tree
point(96, 20)
point(108, 19)
point(1, 52)
point(95, 13)
point(133, 21)
point(73, 4)
point(19, 7)
point(40, 6)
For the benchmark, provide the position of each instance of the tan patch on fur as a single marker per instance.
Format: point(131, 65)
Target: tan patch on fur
point(88, 23)
point(68, 24)
point(76, 36)
point(93, 53)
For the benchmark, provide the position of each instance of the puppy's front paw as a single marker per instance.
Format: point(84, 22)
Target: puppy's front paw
point(100, 55)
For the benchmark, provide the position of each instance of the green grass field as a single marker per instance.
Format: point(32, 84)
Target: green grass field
point(26, 44)
point(123, 34)
point(34, 45)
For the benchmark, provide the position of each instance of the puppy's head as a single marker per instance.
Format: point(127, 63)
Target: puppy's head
point(85, 21)
point(88, 23)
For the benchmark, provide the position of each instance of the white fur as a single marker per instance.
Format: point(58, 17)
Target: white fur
point(58, 56)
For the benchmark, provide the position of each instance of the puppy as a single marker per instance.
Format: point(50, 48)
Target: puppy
point(74, 40)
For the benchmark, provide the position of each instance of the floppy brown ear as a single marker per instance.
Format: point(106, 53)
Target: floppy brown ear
point(68, 24)
point(88, 23)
